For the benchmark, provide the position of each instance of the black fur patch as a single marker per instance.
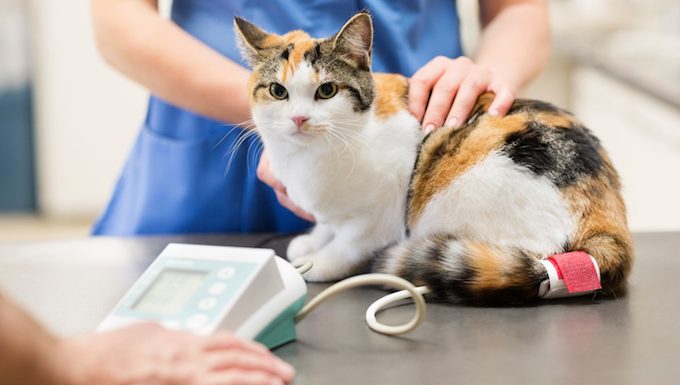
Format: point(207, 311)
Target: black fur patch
point(314, 54)
point(429, 265)
point(529, 105)
point(563, 154)
point(359, 103)
point(258, 87)
point(527, 148)
point(587, 159)
point(456, 289)
point(286, 52)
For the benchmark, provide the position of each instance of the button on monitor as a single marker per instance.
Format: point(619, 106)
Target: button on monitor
point(207, 303)
point(226, 273)
point(217, 288)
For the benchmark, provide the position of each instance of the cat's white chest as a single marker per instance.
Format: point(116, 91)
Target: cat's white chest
point(365, 176)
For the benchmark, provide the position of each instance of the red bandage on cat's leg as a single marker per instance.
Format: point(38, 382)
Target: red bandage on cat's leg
point(570, 274)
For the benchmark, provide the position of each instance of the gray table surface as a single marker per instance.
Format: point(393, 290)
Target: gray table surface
point(71, 285)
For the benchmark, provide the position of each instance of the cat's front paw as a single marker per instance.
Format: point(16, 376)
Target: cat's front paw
point(325, 268)
point(300, 246)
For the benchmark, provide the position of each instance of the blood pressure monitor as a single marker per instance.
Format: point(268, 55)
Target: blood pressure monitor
point(251, 292)
point(202, 289)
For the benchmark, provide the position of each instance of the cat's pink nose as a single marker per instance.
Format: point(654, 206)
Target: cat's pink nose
point(300, 120)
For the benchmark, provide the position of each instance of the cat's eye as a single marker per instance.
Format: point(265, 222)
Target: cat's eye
point(326, 91)
point(278, 91)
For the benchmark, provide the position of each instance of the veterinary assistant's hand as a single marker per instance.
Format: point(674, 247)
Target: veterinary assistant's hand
point(150, 355)
point(264, 173)
point(444, 91)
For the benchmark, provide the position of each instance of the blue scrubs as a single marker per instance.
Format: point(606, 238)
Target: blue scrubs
point(176, 179)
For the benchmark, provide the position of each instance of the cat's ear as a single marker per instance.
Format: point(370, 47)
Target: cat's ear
point(355, 40)
point(252, 40)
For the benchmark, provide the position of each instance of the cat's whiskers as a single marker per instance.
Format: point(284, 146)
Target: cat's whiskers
point(233, 149)
point(328, 138)
point(347, 135)
point(244, 125)
point(243, 136)
point(350, 134)
point(347, 146)
point(331, 134)
point(259, 147)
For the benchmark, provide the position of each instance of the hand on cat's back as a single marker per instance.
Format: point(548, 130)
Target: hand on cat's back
point(265, 174)
point(444, 91)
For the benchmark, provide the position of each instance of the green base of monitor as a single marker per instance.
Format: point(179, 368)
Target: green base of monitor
point(282, 329)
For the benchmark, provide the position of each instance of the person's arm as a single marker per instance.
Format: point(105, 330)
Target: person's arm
point(27, 351)
point(172, 64)
point(143, 354)
point(514, 47)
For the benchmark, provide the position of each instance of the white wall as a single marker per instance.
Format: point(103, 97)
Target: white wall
point(86, 114)
point(14, 66)
point(642, 136)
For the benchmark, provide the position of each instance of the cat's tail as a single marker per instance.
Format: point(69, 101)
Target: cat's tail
point(472, 272)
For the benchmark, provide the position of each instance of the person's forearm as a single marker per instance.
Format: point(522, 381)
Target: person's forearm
point(28, 353)
point(515, 41)
point(172, 64)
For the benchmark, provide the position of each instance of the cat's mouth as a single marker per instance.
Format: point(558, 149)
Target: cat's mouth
point(307, 133)
point(301, 136)
point(308, 130)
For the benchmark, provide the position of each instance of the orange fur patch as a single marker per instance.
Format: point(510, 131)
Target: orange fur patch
point(301, 43)
point(487, 266)
point(274, 40)
point(391, 94)
point(602, 229)
point(254, 79)
point(484, 101)
point(492, 272)
point(554, 120)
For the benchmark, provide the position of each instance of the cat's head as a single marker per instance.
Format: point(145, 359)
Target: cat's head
point(305, 89)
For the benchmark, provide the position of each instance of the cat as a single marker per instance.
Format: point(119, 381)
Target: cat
point(469, 212)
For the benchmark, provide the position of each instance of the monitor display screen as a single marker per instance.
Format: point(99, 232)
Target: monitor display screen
point(170, 292)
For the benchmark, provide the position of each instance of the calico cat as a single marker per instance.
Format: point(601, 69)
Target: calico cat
point(468, 213)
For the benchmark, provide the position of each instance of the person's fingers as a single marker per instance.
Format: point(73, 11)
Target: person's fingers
point(146, 327)
point(470, 89)
point(225, 341)
point(265, 175)
point(502, 101)
point(421, 84)
point(243, 377)
point(244, 360)
point(441, 100)
point(287, 203)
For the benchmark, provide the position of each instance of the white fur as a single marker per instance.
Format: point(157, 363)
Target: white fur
point(451, 261)
point(498, 202)
point(351, 174)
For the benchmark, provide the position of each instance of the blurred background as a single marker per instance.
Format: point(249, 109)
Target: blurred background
point(67, 120)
